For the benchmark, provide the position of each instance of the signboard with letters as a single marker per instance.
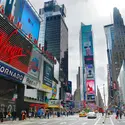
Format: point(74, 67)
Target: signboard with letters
point(30, 82)
point(9, 72)
point(54, 102)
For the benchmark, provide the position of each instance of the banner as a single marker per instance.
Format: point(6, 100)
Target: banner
point(10, 72)
point(90, 86)
point(89, 60)
point(47, 75)
point(35, 63)
point(89, 71)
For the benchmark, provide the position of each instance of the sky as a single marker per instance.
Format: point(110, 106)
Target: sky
point(95, 12)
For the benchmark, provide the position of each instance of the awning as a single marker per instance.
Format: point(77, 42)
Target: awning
point(55, 106)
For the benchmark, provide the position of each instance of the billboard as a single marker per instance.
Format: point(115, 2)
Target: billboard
point(68, 96)
point(35, 63)
point(90, 84)
point(30, 21)
point(54, 94)
point(89, 60)
point(47, 75)
point(89, 71)
point(15, 49)
point(69, 87)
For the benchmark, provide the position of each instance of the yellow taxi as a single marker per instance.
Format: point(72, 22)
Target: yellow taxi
point(82, 114)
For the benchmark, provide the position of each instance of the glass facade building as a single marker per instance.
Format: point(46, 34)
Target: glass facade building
point(87, 67)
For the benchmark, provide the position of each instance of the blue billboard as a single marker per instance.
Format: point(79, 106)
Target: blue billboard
point(30, 21)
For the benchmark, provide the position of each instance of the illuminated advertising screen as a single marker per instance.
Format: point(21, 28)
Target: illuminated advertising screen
point(30, 21)
point(90, 84)
point(68, 96)
point(47, 74)
point(69, 87)
point(88, 59)
point(15, 49)
point(35, 63)
point(89, 71)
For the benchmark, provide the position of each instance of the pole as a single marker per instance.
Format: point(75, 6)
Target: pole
point(104, 96)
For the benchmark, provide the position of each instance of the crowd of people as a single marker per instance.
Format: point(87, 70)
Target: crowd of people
point(32, 114)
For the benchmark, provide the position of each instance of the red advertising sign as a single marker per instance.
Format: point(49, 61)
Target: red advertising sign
point(90, 86)
point(14, 48)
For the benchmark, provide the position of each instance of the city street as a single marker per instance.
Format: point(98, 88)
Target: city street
point(71, 120)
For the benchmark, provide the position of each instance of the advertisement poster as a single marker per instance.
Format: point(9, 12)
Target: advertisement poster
point(47, 75)
point(89, 60)
point(90, 86)
point(54, 94)
point(35, 63)
point(89, 71)
point(68, 96)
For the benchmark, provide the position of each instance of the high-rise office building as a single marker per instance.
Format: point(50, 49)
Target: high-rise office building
point(54, 35)
point(109, 33)
point(87, 67)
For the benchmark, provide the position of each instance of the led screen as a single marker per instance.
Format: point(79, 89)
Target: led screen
point(90, 86)
point(30, 22)
point(48, 74)
point(15, 50)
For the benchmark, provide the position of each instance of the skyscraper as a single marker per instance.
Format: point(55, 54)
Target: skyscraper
point(87, 67)
point(54, 35)
point(109, 33)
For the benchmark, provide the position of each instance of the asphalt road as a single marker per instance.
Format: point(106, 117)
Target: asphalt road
point(71, 120)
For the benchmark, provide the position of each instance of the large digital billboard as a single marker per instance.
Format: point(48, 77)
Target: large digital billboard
point(89, 60)
point(47, 75)
point(26, 15)
point(69, 87)
point(30, 22)
point(35, 63)
point(15, 49)
point(90, 84)
point(89, 71)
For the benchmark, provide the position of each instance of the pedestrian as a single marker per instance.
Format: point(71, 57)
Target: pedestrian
point(1, 116)
point(120, 114)
point(117, 114)
point(14, 115)
point(67, 114)
point(48, 114)
point(30, 114)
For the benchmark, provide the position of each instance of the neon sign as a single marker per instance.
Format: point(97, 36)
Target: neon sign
point(7, 49)
point(49, 55)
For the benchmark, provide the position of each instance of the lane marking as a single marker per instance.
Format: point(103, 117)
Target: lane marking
point(62, 123)
point(84, 123)
point(74, 122)
point(97, 121)
point(111, 121)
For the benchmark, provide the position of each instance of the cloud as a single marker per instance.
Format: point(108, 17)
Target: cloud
point(89, 12)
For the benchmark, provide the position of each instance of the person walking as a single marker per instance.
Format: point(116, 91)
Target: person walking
point(120, 114)
point(117, 114)
point(1, 116)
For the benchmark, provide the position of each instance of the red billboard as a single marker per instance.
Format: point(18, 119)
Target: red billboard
point(15, 49)
point(90, 86)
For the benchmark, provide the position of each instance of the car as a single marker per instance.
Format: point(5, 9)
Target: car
point(91, 115)
point(82, 114)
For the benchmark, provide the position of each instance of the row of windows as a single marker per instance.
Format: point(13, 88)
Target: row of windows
point(53, 18)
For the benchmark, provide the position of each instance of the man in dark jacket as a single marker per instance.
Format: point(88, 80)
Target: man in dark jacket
point(1, 116)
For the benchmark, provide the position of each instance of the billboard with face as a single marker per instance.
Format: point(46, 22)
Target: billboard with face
point(68, 96)
point(90, 84)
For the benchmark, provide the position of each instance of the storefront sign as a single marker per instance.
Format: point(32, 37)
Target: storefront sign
point(10, 72)
point(31, 82)
point(54, 102)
